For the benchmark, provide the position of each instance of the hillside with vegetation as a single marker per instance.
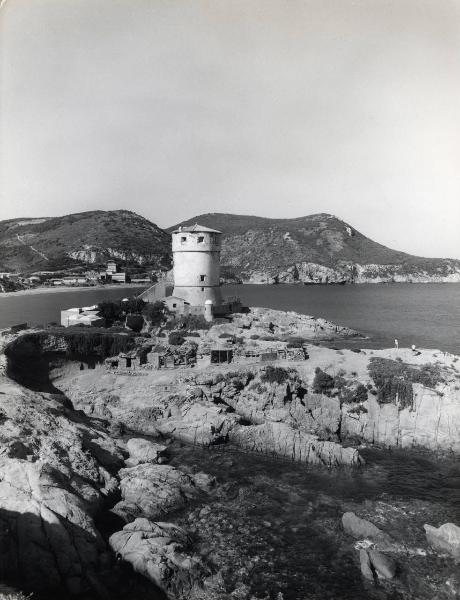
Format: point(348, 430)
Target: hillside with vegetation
point(88, 238)
point(317, 248)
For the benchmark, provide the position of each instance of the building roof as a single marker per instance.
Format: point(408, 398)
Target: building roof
point(196, 228)
point(166, 298)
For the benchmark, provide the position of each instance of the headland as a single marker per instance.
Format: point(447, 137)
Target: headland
point(109, 461)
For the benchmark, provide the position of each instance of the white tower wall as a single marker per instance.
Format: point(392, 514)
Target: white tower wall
point(197, 266)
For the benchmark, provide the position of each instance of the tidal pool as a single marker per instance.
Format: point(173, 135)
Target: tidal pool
point(274, 527)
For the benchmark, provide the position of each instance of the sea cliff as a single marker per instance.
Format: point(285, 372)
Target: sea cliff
point(311, 273)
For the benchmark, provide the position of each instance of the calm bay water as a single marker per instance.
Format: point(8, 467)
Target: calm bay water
point(427, 315)
point(39, 309)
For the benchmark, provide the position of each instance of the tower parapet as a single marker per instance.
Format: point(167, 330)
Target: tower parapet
point(196, 254)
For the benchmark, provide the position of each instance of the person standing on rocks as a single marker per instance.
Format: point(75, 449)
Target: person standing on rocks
point(396, 344)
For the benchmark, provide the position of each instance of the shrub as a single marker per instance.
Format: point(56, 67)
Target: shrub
point(323, 383)
point(274, 375)
point(84, 342)
point(115, 311)
point(394, 379)
point(257, 387)
point(192, 334)
point(254, 336)
point(361, 393)
point(155, 313)
point(428, 375)
point(237, 383)
point(135, 322)
point(295, 342)
point(357, 410)
point(339, 382)
point(193, 322)
point(110, 311)
point(176, 339)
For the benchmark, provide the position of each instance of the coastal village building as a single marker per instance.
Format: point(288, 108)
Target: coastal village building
point(87, 315)
point(111, 267)
point(113, 274)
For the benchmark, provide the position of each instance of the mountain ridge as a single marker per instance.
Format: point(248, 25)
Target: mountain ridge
point(318, 248)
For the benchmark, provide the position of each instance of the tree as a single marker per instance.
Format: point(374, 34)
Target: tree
point(135, 322)
point(322, 383)
point(155, 313)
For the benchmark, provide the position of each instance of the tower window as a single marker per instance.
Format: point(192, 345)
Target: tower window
point(202, 289)
point(201, 239)
point(202, 277)
point(183, 239)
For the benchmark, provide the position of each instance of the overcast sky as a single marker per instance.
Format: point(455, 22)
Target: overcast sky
point(279, 108)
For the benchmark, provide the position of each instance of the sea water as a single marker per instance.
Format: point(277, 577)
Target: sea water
point(425, 314)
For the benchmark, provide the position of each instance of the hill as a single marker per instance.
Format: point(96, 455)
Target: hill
point(87, 238)
point(313, 249)
point(317, 248)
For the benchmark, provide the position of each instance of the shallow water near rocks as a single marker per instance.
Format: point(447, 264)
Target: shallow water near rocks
point(275, 526)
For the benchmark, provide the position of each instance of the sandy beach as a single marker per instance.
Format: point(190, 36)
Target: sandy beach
point(52, 290)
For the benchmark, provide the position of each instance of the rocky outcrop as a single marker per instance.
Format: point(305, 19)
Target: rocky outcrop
point(349, 272)
point(48, 538)
point(162, 553)
point(198, 422)
point(55, 476)
point(281, 440)
point(445, 538)
point(151, 490)
point(431, 422)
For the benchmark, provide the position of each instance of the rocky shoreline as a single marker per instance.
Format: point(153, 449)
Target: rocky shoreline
point(121, 486)
point(310, 273)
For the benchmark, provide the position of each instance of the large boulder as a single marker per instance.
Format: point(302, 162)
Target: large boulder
point(161, 552)
point(144, 451)
point(151, 490)
point(376, 564)
point(362, 529)
point(445, 538)
point(384, 566)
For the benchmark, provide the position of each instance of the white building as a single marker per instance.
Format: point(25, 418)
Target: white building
point(196, 256)
point(87, 315)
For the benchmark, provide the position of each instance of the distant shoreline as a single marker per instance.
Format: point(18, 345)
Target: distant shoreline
point(69, 288)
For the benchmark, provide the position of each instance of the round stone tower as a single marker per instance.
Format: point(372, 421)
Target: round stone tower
point(196, 253)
